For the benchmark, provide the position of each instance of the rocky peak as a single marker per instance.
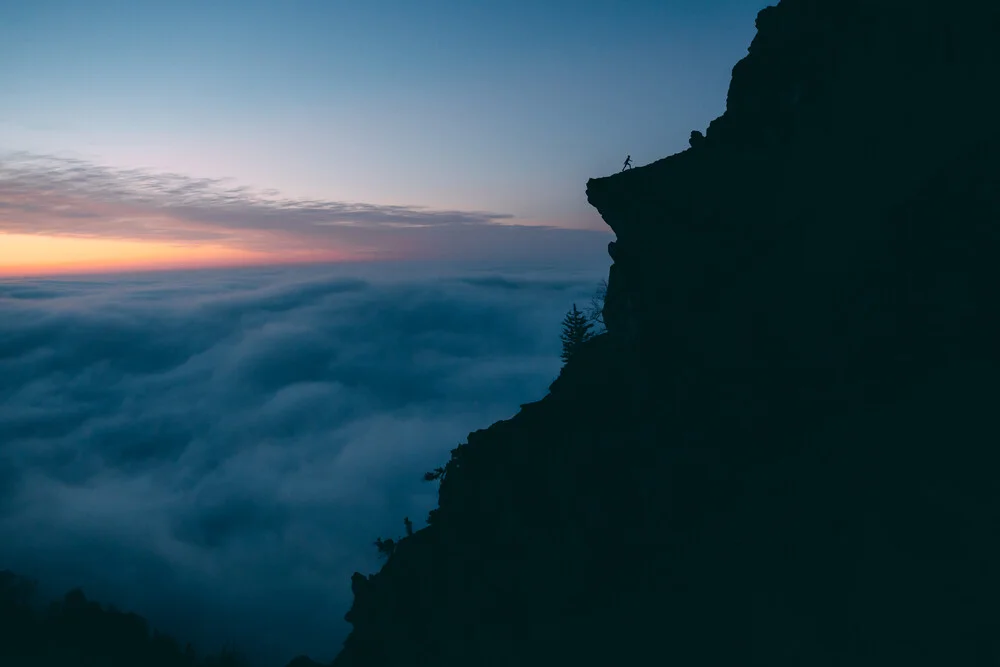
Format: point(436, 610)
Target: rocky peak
point(782, 451)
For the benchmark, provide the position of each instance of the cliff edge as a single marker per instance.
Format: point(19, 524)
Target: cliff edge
point(783, 451)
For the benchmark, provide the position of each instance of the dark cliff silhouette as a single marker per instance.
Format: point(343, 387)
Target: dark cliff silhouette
point(782, 450)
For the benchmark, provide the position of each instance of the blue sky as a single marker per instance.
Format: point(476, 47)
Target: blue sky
point(444, 104)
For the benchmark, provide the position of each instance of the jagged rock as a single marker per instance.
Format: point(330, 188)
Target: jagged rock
point(359, 583)
point(785, 440)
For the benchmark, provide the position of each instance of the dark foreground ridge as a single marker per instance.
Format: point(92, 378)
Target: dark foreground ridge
point(783, 452)
point(75, 631)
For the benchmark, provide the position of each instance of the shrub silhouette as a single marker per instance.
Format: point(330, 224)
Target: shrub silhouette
point(385, 547)
point(595, 311)
point(437, 473)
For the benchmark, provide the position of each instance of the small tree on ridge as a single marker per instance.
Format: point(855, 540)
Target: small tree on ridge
point(576, 330)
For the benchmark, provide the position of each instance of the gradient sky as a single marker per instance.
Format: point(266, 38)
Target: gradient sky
point(339, 130)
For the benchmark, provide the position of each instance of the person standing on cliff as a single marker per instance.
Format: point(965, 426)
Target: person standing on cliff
point(628, 163)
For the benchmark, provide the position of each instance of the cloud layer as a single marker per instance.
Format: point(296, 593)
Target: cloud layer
point(218, 450)
point(44, 194)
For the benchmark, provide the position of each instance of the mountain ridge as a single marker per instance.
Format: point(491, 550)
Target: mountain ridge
point(779, 451)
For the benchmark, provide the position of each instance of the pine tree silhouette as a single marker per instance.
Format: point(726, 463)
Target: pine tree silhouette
point(576, 330)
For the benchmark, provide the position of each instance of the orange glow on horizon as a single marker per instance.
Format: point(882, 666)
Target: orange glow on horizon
point(33, 255)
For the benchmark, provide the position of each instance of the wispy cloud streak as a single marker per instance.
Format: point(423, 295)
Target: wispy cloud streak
point(69, 197)
point(45, 194)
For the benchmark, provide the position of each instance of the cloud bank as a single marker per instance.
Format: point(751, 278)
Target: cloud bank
point(218, 450)
point(45, 194)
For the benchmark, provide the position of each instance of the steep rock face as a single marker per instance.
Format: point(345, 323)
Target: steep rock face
point(782, 452)
point(802, 202)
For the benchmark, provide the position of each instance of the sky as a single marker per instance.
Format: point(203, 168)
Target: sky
point(141, 135)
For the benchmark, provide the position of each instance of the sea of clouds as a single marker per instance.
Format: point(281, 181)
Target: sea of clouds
point(217, 450)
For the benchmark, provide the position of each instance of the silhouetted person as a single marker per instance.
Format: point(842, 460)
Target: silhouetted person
point(409, 525)
point(628, 163)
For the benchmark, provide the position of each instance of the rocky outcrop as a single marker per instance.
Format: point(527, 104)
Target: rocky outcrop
point(782, 451)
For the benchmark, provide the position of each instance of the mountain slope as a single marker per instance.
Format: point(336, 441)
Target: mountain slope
point(782, 451)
